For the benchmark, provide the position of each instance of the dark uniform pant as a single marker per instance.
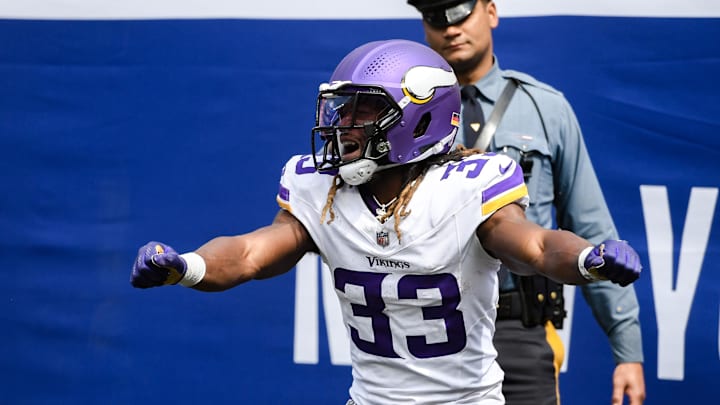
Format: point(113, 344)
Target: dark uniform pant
point(531, 359)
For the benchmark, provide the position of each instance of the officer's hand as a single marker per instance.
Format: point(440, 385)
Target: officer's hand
point(628, 380)
point(614, 260)
point(157, 264)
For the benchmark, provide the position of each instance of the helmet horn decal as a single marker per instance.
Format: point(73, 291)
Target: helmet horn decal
point(420, 82)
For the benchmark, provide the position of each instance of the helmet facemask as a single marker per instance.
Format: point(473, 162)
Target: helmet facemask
point(350, 130)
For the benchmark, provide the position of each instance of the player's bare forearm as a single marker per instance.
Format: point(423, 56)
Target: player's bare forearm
point(527, 248)
point(559, 260)
point(263, 253)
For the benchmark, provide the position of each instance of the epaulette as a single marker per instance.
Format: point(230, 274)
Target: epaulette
point(529, 80)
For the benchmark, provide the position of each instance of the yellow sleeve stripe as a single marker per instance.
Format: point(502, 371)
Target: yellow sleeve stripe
point(283, 204)
point(504, 199)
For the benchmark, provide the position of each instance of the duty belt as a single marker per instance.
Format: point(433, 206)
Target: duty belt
point(509, 306)
point(536, 301)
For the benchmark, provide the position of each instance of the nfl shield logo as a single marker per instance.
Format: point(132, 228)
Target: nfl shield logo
point(383, 238)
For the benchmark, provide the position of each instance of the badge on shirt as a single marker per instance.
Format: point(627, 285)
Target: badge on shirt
point(383, 238)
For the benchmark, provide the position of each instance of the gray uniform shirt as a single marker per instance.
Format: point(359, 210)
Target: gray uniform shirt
point(562, 183)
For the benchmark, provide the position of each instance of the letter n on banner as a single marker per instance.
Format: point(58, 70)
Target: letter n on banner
point(307, 326)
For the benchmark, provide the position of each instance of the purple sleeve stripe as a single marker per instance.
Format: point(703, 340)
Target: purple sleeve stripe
point(502, 200)
point(515, 179)
point(284, 193)
point(283, 198)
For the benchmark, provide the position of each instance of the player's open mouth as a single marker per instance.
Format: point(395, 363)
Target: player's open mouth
point(350, 150)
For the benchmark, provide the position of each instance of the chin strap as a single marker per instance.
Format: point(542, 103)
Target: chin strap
point(358, 172)
point(362, 170)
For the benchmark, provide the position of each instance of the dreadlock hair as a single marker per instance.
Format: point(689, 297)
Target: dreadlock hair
point(415, 175)
point(336, 184)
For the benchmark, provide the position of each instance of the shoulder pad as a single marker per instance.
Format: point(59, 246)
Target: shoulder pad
point(529, 80)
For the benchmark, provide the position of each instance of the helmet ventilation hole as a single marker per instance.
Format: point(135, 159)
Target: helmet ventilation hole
point(383, 63)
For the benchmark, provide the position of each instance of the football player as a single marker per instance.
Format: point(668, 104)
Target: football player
point(415, 272)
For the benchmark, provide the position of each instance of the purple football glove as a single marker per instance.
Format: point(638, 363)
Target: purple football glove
point(614, 260)
point(157, 264)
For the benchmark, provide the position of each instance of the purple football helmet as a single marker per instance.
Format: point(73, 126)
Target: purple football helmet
point(401, 95)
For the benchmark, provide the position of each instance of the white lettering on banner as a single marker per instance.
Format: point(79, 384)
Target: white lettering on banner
point(672, 304)
point(566, 331)
point(338, 339)
point(305, 343)
point(306, 339)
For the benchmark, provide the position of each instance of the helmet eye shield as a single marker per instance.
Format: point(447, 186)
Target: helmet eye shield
point(352, 107)
point(350, 124)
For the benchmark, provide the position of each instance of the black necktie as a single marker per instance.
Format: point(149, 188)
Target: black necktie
point(472, 114)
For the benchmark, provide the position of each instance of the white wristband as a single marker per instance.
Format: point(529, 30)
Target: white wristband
point(195, 269)
point(581, 264)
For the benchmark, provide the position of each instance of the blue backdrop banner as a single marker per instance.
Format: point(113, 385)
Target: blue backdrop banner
point(120, 129)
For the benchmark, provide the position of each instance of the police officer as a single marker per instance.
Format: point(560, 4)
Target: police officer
point(540, 131)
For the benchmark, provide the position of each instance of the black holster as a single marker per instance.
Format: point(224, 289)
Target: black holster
point(542, 301)
point(536, 301)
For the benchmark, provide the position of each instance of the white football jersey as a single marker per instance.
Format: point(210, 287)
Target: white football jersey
point(420, 310)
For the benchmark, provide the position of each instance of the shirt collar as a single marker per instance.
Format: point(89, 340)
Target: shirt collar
point(492, 84)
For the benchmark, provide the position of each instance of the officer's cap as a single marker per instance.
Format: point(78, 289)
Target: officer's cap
point(444, 13)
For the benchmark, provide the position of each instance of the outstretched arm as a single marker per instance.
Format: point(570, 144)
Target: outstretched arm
point(263, 253)
point(226, 261)
point(527, 248)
